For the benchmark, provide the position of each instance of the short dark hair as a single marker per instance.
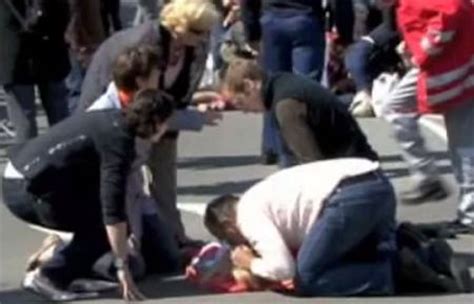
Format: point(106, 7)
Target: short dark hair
point(135, 62)
point(219, 210)
point(149, 108)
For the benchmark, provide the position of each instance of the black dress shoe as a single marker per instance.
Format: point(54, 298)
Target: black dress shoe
point(424, 192)
point(36, 282)
point(442, 259)
point(414, 275)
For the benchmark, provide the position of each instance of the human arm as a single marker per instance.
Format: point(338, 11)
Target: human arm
point(292, 120)
point(269, 257)
point(116, 153)
point(428, 30)
point(193, 120)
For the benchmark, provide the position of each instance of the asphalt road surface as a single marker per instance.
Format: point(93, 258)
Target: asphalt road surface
point(226, 159)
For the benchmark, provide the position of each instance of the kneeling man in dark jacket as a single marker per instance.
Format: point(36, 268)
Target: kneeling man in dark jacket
point(73, 179)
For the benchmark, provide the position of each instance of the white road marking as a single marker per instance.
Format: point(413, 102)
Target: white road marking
point(435, 124)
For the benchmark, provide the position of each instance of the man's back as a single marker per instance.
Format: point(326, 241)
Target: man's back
point(73, 150)
point(335, 131)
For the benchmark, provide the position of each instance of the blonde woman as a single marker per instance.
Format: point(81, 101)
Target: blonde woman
point(181, 36)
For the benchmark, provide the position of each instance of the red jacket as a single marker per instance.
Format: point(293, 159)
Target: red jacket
point(440, 36)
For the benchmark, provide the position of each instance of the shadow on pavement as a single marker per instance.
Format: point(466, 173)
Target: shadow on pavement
point(219, 188)
point(218, 161)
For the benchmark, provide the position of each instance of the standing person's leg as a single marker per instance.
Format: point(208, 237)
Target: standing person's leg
point(459, 126)
point(115, 15)
point(400, 110)
point(307, 57)
point(54, 99)
point(22, 111)
point(308, 46)
point(74, 82)
point(324, 264)
point(162, 164)
point(276, 57)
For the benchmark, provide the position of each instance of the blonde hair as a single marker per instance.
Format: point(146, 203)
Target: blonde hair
point(181, 16)
point(238, 70)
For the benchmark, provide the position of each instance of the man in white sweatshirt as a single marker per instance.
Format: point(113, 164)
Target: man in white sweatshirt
point(327, 225)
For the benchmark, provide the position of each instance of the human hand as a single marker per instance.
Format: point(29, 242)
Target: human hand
point(129, 290)
point(211, 118)
point(242, 257)
point(205, 97)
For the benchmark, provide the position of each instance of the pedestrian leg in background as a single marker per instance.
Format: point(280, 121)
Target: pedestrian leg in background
point(400, 110)
point(74, 83)
point(276, 49)
point(162, 164)
point(459, 127)
point(22, 111)
point(54, 99)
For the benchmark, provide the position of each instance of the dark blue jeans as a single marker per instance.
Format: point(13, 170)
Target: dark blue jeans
point(350, 248)
point(357, 64)
point(74, 82)
point(293, 43)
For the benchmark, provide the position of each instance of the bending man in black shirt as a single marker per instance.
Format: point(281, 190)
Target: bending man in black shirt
point(314, 124)
point(73, 179)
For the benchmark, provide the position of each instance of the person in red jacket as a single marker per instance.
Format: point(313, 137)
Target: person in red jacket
point(439, 38)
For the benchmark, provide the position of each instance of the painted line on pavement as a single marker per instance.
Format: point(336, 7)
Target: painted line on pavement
point(437, 128)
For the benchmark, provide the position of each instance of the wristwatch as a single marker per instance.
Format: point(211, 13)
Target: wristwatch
point(120, 263)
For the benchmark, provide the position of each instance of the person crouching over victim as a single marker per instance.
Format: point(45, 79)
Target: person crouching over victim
point(327, 225)
point(73, 178)
point(313, 123)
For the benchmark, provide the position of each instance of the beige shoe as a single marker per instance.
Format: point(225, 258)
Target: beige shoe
point(45, 252)
point(361, 105)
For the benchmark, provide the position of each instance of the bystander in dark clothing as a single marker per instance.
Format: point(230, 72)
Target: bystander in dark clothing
point(291, 34)
point(73, 179)
point(84, 34)
point(38, 57)
point(313, 123)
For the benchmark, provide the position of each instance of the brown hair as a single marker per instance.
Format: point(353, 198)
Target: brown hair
point(239, 70)
point(135, 62)
point(148, 109)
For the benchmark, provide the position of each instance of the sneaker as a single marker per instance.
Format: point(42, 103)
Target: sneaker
point(458, 227)
point(36, 282)
point(424, 192)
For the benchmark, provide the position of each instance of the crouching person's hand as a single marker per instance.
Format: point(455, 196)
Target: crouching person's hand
point(128, 287)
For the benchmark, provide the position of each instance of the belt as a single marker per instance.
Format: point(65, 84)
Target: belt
point(369, 176)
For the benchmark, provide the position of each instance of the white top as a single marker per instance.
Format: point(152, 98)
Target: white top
point(276, 214)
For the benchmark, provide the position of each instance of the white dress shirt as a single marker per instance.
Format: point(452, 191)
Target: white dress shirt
point(276, 214)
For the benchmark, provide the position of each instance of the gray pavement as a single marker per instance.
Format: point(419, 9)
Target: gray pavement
point(225, 159)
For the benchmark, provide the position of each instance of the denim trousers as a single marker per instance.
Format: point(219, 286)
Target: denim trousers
point(22, 108)
point(292, 43)
point(350, 248)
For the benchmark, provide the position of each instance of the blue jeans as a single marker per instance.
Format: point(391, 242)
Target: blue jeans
point(292, 43)
point(350, 248)
point(22, 107)
point(74, 83)
point(356, 62)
